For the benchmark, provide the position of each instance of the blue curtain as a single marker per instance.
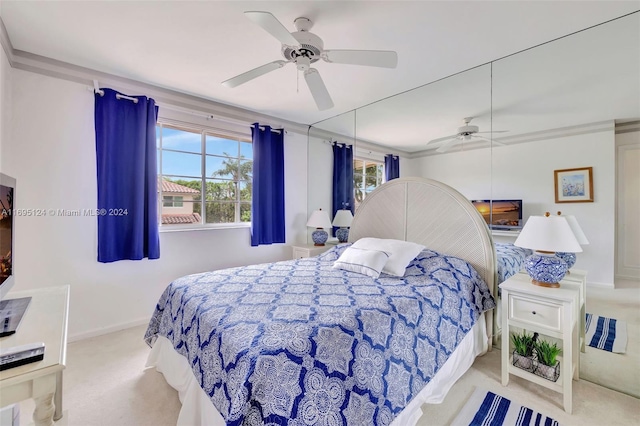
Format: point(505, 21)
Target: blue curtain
point(127, 177)
point(391, 167)
point(342, 179)
point(267, 203)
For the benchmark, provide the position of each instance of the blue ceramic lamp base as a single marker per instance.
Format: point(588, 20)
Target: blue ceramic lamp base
point(545, 269)
point(342, 234)
point(569, 258)
point(319, 237)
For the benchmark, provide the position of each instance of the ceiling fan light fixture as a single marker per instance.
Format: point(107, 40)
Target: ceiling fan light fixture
point(304, 48)
point(465, 133)
point(303, 63)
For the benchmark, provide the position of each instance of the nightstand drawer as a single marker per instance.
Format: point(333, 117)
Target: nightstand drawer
point(535, 312)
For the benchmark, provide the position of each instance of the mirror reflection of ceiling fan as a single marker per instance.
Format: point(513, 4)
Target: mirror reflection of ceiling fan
point(304, 48)
point(465, 133)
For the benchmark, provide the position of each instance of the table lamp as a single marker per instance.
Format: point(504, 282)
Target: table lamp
point(547, 235)
point(319, 219)
point(570, 258)
point(343, 219)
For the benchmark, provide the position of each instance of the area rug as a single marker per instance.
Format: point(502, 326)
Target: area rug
point(604, 333)
point(485, 408)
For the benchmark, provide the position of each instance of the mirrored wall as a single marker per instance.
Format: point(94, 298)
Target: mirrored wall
point(552, 107)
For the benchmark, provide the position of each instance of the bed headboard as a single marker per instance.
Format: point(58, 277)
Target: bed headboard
point(433, 214)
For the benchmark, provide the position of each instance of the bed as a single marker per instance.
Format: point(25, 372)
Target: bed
point(300, 343)
point(510, 260)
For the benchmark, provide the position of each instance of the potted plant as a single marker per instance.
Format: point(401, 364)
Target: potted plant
point(547, 365)
point(523, 350)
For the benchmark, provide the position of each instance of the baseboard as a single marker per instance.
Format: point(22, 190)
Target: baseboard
point(106, 330)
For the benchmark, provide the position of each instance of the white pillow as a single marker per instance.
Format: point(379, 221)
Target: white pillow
point(402, 253)
point(362, 261)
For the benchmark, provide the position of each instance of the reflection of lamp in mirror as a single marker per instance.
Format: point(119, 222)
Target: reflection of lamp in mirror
point(319, 219)
point(570, 258)
point(343, 219)
point(546, 235)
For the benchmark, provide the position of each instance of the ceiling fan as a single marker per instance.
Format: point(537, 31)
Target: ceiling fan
point(304, 48)
point(465, 133)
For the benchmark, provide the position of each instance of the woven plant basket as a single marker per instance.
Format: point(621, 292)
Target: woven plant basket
point(524, 362)
point(547, 371)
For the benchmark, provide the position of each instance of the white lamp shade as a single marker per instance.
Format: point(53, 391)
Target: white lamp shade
point(319, 219)
point(548, 233)
point(343, 218)
point(577, 230)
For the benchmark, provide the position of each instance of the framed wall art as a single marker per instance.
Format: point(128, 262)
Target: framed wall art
point(574, 185)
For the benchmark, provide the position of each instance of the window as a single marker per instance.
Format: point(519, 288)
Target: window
point(367, 176)
point(196, 165)
point(172, 201)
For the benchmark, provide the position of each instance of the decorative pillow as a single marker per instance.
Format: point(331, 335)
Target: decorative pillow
point(333, 253)
point(362, 261)
point(401, 253)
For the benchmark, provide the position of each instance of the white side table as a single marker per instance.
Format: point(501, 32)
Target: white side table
point(550, 312)
point(302, 251)
point(45, 320)
point(577, 278)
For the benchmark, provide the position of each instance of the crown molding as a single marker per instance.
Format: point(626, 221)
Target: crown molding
point(6, 42)
point(26, 61)
point(627, 126)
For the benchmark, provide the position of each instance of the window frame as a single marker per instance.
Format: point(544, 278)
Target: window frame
point(379, 176)
point(203, 132)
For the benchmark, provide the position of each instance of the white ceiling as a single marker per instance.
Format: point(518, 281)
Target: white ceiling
point(192, 47)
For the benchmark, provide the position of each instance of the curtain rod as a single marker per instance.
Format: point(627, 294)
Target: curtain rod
point(207, 116)
point(97, 90)
point(331, 142)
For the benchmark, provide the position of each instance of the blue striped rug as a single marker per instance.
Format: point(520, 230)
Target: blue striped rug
point(605, 333)
point(485, 408)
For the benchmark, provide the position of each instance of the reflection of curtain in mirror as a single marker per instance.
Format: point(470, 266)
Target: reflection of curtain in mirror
point(342, 179)
point(127, 177)
point(391, 167)
point(267, 201)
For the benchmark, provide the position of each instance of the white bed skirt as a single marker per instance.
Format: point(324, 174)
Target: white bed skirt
point(197, 409)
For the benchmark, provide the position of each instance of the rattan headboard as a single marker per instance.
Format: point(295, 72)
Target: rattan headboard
point(431, 213)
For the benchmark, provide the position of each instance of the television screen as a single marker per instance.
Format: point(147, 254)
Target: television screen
point(6, 231)
point(501, 214)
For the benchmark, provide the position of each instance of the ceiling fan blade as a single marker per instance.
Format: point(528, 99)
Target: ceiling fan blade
point(494, 131)
point(372, 58)
point(447, 145)
point(487, 140)
point(270, 24)
point(442, 139)
point(318, 89)
point(254, 73)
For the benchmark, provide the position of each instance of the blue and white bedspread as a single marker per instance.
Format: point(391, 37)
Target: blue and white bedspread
point(510, 260)
point(298, 343)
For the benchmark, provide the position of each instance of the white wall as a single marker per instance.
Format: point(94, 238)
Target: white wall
point(526, 171)
point(5, 103)
point(51, 152)
point(320, 178)
point(467, 171)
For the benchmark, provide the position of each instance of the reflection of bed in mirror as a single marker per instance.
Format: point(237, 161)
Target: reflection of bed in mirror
point(291, 335)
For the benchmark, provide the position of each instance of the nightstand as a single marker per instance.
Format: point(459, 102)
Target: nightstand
point(577, 278)
point(551, 312)
point(309, 250)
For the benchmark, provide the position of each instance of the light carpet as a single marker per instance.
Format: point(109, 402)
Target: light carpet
point(485, 408)
point(605, 333)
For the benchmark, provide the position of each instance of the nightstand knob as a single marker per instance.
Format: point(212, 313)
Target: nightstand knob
point(533, 312)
